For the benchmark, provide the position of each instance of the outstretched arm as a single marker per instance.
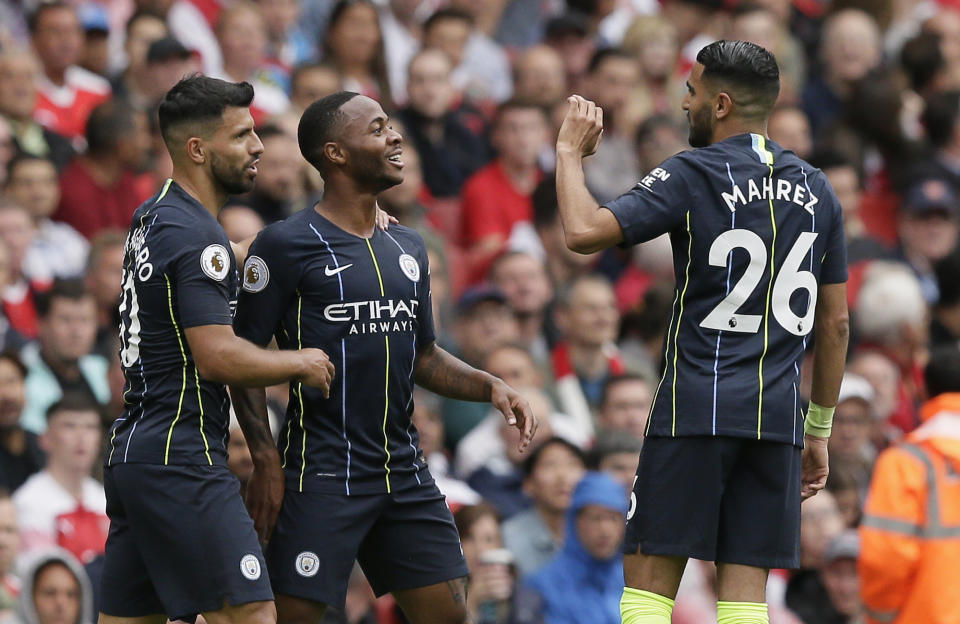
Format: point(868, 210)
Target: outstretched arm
point(446, 375)
point(586, 226)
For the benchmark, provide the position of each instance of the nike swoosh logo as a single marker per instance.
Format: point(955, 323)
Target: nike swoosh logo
point(331, 272)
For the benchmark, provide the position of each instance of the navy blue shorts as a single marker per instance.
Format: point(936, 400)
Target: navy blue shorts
point(730, 500)
point(402, 540)
point(181, 542)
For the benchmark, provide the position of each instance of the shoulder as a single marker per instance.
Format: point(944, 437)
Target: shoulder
point(277, 237)
point(407, 236)
point(82, 79)
point(37, 483)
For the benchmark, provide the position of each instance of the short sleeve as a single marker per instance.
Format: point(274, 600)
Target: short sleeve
point(656, 205)
point(267, 283)
point(199, 272)
point(834, 268)
point(425, 330)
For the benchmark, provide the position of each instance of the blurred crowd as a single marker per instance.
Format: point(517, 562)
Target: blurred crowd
point(870, 93)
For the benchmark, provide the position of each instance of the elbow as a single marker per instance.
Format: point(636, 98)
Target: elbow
point(580, 241)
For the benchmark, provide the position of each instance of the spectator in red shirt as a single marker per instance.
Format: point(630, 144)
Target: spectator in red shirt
point(100, 189)
point(67, 93)
point(498, 197)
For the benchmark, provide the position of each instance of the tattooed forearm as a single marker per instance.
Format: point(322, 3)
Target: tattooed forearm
point(458, 589)
point(442, 373)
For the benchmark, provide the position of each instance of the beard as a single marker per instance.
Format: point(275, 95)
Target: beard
point(234, 180)
point(373, 173)
point(701, 129)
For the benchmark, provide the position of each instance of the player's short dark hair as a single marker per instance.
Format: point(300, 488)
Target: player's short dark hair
point(940, 115)
point(71, 289)
point(320, 124)
point(602, 55)
point(469, 515)
point(922, 59)
point(25, 157)
point(75, 402)
point(33, 19)
point(546, 208)
point(942, 373)
point(107, 124)
point(615, 380)
point(200, 101)
point(447, 13)
point(746, 71)
point(530, 463)
point(14, 358)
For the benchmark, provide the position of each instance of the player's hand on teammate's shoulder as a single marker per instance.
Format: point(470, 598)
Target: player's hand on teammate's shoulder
point(516, 410)
point(318, 370)
point(582, 127)
point(385, 219)
point(814, 465)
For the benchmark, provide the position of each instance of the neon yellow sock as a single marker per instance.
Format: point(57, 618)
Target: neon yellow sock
point(742, 613)
point(643, 607)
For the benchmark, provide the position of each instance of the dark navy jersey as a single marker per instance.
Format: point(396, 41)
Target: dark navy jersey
point(178, 272)
point(754, 230)
point(366, 303)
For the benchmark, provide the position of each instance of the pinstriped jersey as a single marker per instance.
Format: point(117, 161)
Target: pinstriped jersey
point(178, 272)
point(366, 303)
point(754, 231)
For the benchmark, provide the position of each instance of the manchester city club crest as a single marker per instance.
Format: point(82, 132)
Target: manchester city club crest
point(215, 261)
point(256, 275)
point(410, 267)
point(250, 567)
point(307, 564)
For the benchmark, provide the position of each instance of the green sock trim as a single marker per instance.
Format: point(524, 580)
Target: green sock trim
point(742, 613)
point(642, 607)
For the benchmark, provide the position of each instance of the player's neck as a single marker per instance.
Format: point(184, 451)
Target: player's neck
point(351, 210)
point(732, 127)
point(200, 187)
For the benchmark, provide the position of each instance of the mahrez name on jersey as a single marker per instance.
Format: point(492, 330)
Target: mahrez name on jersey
point(768, 188)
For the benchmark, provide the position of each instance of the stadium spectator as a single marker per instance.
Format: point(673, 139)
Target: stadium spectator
point(102, 280)
point(142, 29)
point(849, 49)
point(583, 583)
point(67, 93)
point(280, 190)
point(524, 282)
point(884, 378)
point(19, 292)
point(100, 189)
point(488, 459)
point(311, 81)
point(851, 441)
point(9, 547)
point(788, 126)
point(552, 472)
point(539, 77)
point(612, 76)
point(838, 601)
point(287, 44)
point(354, 45)
point(56, 249)
point(652, 40)
point(481, 67)
point(563, 265)
point(56, 590)
point(911, 512)
point(19, 74)
point(848, 493)
point(763, 25)
point(495, 596)
point(63, 504)
point(624, 405)
point(925, 68)
point(586, 315)
point(820, 524)
point(95, 57)
point(240, 222)
point(20, 451)
point(929, 225)
point(658, 138)
point(891, 317)
point(167, 61)
point(450, 150)
point(61, 362)
point(497, 197)
point(617, 454)
point(941, 118)
point(401, 25)
point(568, 34)
point(944, 22)
point(698, 22)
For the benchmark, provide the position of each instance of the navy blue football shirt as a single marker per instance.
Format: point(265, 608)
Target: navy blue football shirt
point(178, 272)
point(366, 303)
point(754, 230)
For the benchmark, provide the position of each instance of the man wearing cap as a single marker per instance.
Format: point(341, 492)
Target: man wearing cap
point(166, 62)
point(928, 230)
point(910, 533)
point(853, 422)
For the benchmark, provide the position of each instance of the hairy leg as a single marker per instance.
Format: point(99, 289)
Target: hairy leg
point(654, 573)
point(740, 583)
point(443, 603)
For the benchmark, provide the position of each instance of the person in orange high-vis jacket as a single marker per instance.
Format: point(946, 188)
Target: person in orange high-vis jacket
point(910, 535)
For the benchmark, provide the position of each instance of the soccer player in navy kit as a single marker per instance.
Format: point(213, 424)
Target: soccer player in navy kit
point(760, 261)
point(357, 484)
point(181, 541)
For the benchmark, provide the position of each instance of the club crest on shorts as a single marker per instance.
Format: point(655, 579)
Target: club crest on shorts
point(215, 261)
point(410, 267)
point(250, 567)
point(307, 564)
point(256, 275)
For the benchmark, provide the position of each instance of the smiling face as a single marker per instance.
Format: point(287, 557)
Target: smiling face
point(371, 149)
point(698, 104)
